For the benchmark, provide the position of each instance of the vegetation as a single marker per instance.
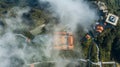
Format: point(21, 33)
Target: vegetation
point(108, 41)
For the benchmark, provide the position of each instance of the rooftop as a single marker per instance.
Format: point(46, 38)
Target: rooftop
point(88, 36)
point(99, 28)
point(102, 6)
point(112, 19)
point(63, 41)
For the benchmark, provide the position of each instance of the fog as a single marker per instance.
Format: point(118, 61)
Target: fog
point(72, 13)
point(16, 52)
point(14, 49)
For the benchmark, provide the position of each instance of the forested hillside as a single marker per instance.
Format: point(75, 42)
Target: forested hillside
point(108, 41)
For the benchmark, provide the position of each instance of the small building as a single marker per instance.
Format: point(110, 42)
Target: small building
point(37, 30)
point(32, 65)
point(112, 19)
point(99, 28)
point(102, 6)
point(63, 41)
point(88, 36)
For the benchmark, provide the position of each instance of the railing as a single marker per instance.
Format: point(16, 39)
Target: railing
point(77, 60)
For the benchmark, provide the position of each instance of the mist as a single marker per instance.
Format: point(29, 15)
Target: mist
point(14, 19)
point(16, 52)
point(72, 13)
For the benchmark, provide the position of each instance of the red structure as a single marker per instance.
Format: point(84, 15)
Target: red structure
point(88, 36)
point(99, 28)
point(32, 65)
point(63, 41)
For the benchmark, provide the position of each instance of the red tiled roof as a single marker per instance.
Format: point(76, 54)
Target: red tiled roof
point(63, 41)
